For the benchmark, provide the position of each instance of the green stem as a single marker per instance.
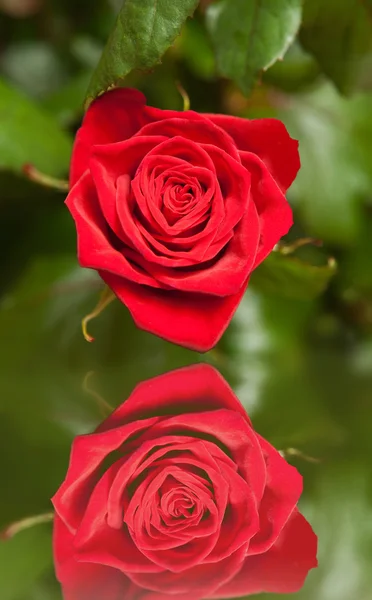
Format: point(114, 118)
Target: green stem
point(26, 523)
point(107, 296)
point(45, 180)
point(185, 96)
point(290, 248)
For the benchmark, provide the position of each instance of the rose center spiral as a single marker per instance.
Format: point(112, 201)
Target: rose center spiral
point(178, 198)
point(177, 503)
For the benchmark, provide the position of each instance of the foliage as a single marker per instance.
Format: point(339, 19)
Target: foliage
point(251, 36)
point(142, 33)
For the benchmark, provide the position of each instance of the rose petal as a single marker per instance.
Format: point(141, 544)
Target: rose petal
point(184, 150)
point(196, 321)
point(85, 581)
point(156, 249)
point(281, 570)
point(188, 550)
point(162, 534)
point(282, 492)
point(188, 451)
point(230, 431)
point(226, 275)
point(87, 455)
point(96, 542)
point(274, 211)
point(199, 581)
point(188, 390)
point(147, 595)
point(115, 116)
point(155, 170)
point(235, 184)
point(158, 114)
point(95, 249)
point(109, 163)
point(269, 139)
point(241, 520)
point(195, 127)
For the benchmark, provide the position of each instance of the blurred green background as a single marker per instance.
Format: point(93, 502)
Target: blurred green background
point(301, 362)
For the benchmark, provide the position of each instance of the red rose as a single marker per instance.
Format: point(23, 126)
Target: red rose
point(176, 496)
point(175, 209)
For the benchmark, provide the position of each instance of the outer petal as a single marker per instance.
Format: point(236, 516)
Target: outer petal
point(196, 321)
point(195, 127)
point(85, 581)
point(87, 455)
point(181, 392)
point(199, 581)
point(283, 569)
point(274, 212)
point(95, 249)
point(269, 139)
point(282, 492)
point(113, 117)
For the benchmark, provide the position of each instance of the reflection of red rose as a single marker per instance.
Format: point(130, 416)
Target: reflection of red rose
point(176, 496)
point(175, 209)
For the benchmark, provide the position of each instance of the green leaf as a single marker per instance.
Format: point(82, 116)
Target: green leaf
point(249, 37)
point(288, 276)
point(142, 33)
point(30, 135)
point(339, 34)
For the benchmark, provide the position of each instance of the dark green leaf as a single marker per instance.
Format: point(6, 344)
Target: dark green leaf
point(339, 34)
point(249, 37)
point(291, 277)
point(30, 135)
point(142, 33)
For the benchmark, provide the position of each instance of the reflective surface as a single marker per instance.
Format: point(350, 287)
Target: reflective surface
point(314, 397)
